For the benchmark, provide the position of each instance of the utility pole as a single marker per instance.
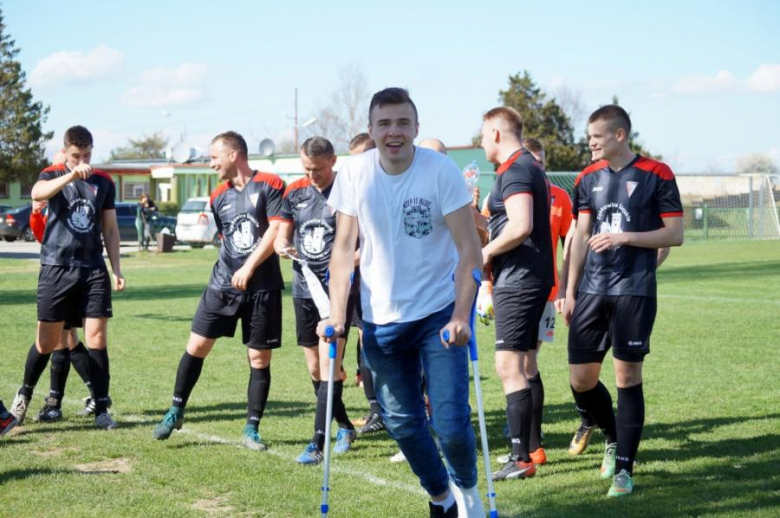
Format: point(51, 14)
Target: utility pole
point(296, 118)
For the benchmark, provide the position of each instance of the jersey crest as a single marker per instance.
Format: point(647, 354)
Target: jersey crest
point(81, 216)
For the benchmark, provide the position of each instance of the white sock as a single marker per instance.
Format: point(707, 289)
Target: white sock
point(448, 502)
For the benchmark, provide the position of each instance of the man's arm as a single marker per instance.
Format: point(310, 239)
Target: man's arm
point(341, 266)
point(461, 226)
point(283, 242)
point(563, 277)
point(111, 239)
point(520, 224)
point(577, 254)
point(671, 234)
point(663, 253)
point(241, 278)
point(45, 189)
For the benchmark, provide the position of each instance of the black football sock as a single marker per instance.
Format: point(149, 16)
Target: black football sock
point(368, 389)
point(257, 395)
point(585, 418)
point(316, 385)
point(519, 408)
point(537, 400)
point(79, 358)
point(320, 417)
point(339, 410)
point(33, 368)
point(60, 368)
point(186, 377)
point(98, 373)
point(598, 403)
point(630, 421)
point(359, 353)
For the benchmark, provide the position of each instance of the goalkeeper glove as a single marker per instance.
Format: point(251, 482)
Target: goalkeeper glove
point(485, 311)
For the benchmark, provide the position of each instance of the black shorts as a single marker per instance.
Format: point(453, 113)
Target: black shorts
point(518, 312)
point(622, 322)
point(307, 317)
point(260, 313)
point(72, 293)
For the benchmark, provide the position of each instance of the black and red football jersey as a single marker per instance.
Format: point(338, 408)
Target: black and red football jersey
point(73, 235)
point(242, 217)
point(634, 199)
point(314, 230)
point(531, 262)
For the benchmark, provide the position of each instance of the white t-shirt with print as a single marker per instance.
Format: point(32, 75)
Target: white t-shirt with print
point(407, 254)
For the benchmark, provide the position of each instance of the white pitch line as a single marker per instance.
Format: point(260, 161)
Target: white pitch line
point(335, 469)
point(377, 481)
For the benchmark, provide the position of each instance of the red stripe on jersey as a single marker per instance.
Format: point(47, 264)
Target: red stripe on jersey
point(271, 179)
point(277, 218)
point(654, 166)
point(592, 168)
point(300, 183)
point(511, 160)
point(103, 174)
point(671, 215)
point(54, 167)
point(219, 189)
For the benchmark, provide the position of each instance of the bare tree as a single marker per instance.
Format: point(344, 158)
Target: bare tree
point(346, 113)
point(571, 103)
point(758, 163)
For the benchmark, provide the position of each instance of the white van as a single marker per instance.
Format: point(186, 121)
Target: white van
point(195, 224)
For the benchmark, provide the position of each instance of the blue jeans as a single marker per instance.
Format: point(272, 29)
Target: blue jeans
point(394, 353)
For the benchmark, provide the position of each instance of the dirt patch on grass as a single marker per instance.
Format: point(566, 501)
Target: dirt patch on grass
point(53, 452)
point(213, 506)
point(105, 467)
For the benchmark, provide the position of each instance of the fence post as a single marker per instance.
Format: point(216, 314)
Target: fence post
point(704, 219)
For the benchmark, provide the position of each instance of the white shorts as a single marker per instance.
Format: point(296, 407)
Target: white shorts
point(547, 323)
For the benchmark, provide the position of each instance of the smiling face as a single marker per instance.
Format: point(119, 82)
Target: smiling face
point(223, 160)
point(319, 170)
point(393, 127)
point(605, 141)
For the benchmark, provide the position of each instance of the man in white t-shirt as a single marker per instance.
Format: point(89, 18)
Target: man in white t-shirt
point(416, 231)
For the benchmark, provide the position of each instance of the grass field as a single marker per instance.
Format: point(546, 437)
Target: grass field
point(711, 443)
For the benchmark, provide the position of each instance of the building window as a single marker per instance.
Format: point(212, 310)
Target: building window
point(134, 190)
point(26, 189)
point(4, 188)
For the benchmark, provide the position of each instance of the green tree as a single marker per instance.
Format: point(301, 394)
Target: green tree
point(545, 120)
point(149, 146)
point(22, 139)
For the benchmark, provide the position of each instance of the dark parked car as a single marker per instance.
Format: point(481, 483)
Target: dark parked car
point(16, 223)
point(125, 217)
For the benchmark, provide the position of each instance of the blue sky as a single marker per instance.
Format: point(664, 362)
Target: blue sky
point(700, 79)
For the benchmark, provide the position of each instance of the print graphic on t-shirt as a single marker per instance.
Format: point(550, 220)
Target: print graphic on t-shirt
point(81, 215)
point(417, 217)
point(630, 187)
point(313, 238)
point(610, 218)
point(239, 236)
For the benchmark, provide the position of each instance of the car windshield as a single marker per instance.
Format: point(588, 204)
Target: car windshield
point(194, 206)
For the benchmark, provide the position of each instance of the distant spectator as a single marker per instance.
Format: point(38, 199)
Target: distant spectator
point(146, 207)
